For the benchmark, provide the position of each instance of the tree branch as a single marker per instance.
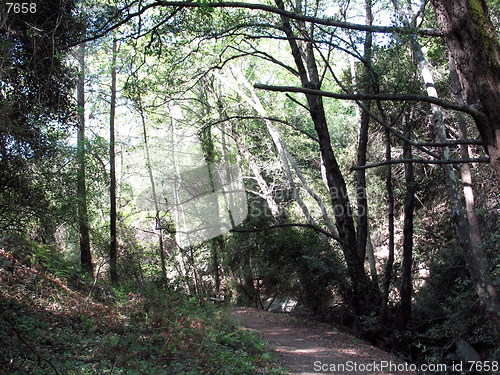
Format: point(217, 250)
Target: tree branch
point(300, 130)
point(102, 32)
point(297, 102)
point(421, 161)
point(394, 97)
point(252, 6)
point(311, 226)
point(370, 113)
point(452, 143)
point(291, 15)
point(265, 56)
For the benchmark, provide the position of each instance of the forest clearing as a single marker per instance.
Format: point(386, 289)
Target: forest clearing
point(249, 187)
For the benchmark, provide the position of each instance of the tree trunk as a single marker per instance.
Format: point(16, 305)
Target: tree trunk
point(207, 146)
point(363, 121)
point(362, 230)
point(217, 247)
point(465, 169)
point(473, 45)
point(362, 290)
point(370, 254)
point(493, 309)
point(409, 205)
point(112, 172)
point(390, 220)
point(158, 224)
point(83, 222)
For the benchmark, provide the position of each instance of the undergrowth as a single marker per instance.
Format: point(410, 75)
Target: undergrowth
point(47, 327)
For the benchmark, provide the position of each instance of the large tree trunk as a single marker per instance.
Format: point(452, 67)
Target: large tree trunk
point(83, 222)
point(473, 45)
point(465, 169)
point(370, 254)
point(363, 293)
point(485, 285)
point(112, 172)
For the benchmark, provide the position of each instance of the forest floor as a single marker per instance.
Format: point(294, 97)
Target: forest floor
point(304, 347)
point(70, 326)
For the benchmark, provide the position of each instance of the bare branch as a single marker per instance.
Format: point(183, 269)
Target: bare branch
point(309, 135)
point(121, 22)
point(394, 97)
point(297, 102)
point(421, 161)
point(452, 143)
point(381, 121)
point(311, 226)
point(265, 56)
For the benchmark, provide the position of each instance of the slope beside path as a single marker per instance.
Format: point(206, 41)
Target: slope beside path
point(317, 348)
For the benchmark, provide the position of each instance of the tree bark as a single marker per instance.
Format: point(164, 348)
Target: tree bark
point(493, 306)
point(465, 168)
point(362, 289)
point(390, 223)
point(83, 222)
point(112, 172)
point(473, 45)
point(370, 254)
point(364, 121)
point(217, 247)
point(409, 207)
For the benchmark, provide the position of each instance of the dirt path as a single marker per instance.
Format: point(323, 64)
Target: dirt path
point(312, 348)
